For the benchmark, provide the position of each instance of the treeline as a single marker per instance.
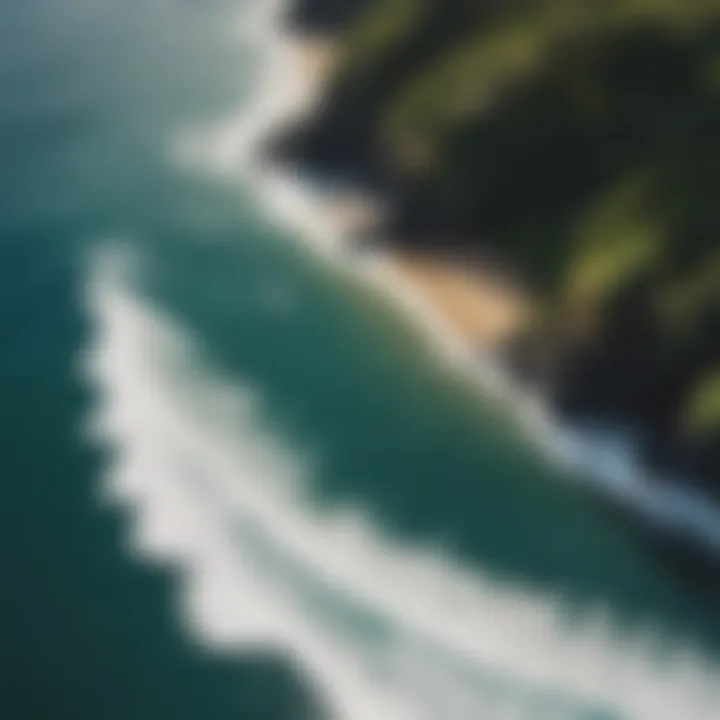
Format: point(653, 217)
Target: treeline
point(578, 143)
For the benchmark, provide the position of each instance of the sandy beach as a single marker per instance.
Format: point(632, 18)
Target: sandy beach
point(477, 305)
point(311, 58)
point(482, 308)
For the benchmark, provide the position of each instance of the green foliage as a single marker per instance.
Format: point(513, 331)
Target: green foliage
point(474, 75)
point(619, 238)
point(703, 408)
point(578, 140)
point(381, 29)
point(685, 297)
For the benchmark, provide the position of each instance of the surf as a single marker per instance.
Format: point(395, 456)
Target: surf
point(380, 628)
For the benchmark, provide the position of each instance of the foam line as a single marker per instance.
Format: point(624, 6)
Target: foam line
point(385, 631)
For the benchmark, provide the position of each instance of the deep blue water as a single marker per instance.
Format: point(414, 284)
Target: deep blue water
point(346, 401)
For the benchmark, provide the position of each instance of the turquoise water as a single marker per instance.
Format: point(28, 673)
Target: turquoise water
point(235, 482)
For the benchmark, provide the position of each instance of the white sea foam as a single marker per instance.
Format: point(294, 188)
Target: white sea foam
point(386, 631)
point(283, 88)
point(383, 630)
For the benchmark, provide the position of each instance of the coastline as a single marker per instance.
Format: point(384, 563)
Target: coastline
point(606, 461)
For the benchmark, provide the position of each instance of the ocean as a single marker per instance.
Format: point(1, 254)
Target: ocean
point(237, 481)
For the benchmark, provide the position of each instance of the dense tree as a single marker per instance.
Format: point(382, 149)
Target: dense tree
point(579, 142)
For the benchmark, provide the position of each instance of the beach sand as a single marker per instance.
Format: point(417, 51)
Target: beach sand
point(316, 54)
point(475, 303)
point(312, 59)
point(480, 306)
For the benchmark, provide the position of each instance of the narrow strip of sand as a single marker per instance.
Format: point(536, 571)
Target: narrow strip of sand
point(312, 59)
point(483, 308)
point(478, 305)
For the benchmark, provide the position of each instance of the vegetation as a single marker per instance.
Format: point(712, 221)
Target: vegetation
point(704, 405)
point(579, 142)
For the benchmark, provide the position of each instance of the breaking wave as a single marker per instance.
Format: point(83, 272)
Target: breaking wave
point(382, 630)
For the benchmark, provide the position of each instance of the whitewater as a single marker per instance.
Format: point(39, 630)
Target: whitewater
point(379, 628)
point(384, 630)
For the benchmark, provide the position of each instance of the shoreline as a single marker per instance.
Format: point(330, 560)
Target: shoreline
point(606, 461)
